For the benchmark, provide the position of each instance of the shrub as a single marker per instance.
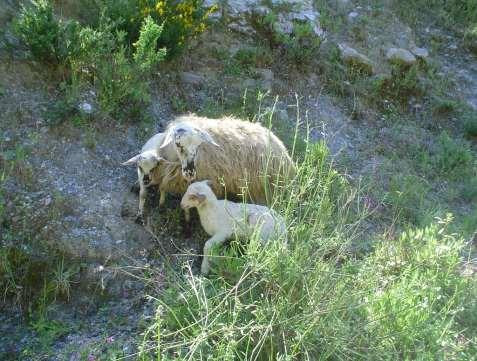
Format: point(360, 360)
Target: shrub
point(146, 55)
point(470, 123)
point(302, 45)
point(452, 159)
point(313, 300)
point(40, 31)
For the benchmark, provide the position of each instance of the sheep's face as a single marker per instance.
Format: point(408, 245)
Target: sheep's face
point(197, 193)
point(146, 162)
point(186, 140)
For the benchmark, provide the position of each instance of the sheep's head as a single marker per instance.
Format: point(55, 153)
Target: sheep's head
point(197, 193)
point(186, 139)
point(146, 162)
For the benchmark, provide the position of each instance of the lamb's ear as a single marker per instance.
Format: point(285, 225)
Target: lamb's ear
point(208, 182)
point(133, 160)
point(207, 137)
point(170, 137)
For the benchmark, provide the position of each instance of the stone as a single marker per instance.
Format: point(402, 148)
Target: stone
point(238, 14)
point(86, 108)
point(354, 58)
point(353, 15)
point(421, 53)
point(400, 56)
point(191, 78)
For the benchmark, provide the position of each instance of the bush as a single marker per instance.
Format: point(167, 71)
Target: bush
point(452, 159)
point(314, 300)
point(146, 55)
point(470, 123)
point(40, 31)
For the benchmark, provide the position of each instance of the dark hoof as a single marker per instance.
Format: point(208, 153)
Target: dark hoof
point(140, 220)
point(187, 230)
point(135, 188)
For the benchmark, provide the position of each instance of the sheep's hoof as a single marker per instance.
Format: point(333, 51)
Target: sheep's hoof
point(187, 230)
point(140, 219)
point(135, 188)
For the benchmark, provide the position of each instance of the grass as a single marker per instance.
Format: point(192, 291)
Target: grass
point(315, 299)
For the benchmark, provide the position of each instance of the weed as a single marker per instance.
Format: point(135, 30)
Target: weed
point(470, 123)
point(452, 159)
point(407, 195)
point(40, 30)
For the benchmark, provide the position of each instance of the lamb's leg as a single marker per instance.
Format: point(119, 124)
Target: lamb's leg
point(216, 239)
point(142, 201)
point(135, 187)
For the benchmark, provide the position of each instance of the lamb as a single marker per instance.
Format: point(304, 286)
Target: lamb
point(240, 154)
point(154, 169)
point(222, 218)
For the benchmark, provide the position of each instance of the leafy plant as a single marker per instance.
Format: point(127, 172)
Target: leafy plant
point(146, 55)
point(40, 31)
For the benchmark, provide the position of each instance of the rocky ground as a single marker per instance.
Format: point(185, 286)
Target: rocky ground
point(70, 196)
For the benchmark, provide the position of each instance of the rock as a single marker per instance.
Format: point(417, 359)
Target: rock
point(400, 56)
point(354, 58)
point(238, 14)
point(86, 108)
point(421, 53)
point(352, 16)
point(266, 76)
point(191, 78)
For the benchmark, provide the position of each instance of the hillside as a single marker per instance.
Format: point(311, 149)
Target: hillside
point(375, 100)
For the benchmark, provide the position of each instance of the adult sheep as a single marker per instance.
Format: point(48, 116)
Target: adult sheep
point(246, 158)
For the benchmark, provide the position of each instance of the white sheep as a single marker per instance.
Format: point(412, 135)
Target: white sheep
point(221, 219)
point(241, 155)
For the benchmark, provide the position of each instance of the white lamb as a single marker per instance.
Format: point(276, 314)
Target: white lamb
point(221, 218)
point(153, 168)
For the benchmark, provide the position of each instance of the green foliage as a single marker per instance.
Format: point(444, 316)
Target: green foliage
point(302, 45)
point(453, 159)
point(40, 31)
point(470, 123)
point(470, 38)
point(146, 55)
point(455, 14)
point(407, 195)
point(312, 299)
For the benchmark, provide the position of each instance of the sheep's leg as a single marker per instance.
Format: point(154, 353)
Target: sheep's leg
point(142, 201)
point(216, 239)
point(187, 228)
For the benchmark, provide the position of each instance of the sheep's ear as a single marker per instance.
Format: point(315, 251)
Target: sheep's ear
point(207, 138)
point(208, 182)
point(170, 137)
point(133, 160)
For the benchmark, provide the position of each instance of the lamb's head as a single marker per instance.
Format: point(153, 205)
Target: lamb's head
point(146, 162)
point(197, 194)
point(186, 139)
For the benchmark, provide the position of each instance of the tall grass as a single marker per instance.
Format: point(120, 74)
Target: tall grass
point(314, 299)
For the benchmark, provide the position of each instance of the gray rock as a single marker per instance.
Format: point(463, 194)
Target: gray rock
point(400, 56)
point(421, 53)
point(354, 58)
point(238, 13)
point(86, 108)
point(191, 78)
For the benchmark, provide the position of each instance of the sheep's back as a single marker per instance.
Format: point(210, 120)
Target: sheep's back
point(248, 152)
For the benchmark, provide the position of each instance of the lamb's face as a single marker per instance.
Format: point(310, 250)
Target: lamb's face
point(195, 196)
point(146, 162)
point(186, 140)
point(144, 168)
